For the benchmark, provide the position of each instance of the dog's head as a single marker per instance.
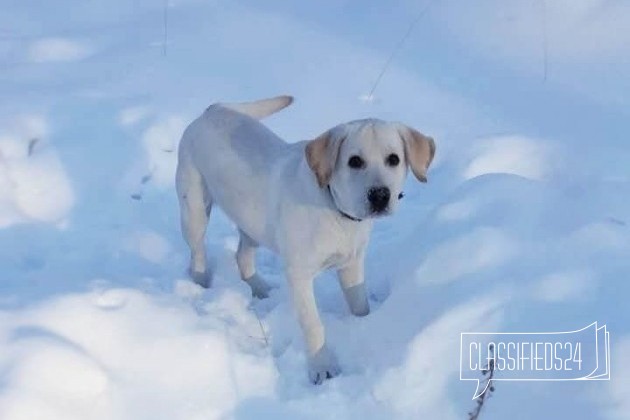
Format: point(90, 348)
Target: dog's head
point(365, 162)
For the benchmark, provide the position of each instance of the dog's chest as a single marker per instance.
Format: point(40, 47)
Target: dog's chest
point(336, 259)
point(343, 245)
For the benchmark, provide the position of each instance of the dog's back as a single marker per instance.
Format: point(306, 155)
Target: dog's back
point(235, 155)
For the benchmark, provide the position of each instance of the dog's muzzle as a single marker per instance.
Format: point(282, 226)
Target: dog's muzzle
point(379, 197)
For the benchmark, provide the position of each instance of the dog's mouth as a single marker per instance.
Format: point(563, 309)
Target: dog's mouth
point(377, 213)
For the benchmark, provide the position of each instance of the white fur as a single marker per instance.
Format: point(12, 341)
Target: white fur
point(267, 188)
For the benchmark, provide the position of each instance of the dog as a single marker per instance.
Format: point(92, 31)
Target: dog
point(312, 202)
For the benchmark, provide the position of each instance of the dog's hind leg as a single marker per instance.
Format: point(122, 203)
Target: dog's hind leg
point(195, 204)
point(246, 261)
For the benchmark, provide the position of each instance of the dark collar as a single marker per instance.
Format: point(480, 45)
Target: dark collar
point(344, 214)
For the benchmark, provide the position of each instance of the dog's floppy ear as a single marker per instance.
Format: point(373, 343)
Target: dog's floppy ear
point(419, 151)
point(321, 155)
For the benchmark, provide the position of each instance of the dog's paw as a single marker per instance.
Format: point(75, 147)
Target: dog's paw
point(323, 365)
point(357, 300)
point(360, 311)
point(203, 279)
point(260, 288)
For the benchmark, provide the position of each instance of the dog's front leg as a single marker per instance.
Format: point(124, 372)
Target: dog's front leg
point(353, 286)
point(322, 363)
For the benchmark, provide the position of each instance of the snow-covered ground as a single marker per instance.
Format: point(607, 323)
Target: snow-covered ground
point(523, 226)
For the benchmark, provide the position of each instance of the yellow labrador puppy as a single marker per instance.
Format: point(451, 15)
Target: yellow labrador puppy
point(312, 202)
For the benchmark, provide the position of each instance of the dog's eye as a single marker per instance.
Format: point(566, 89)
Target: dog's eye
point(355, 162)
point(392, 160)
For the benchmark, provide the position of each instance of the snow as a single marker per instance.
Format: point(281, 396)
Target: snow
point(566, 285)
point(160, 143)
point(57, 49)
point(95, 354)
point(133, 115)
point(619, 389)
point(33, 183)
point(511, 155)
point(523, 225)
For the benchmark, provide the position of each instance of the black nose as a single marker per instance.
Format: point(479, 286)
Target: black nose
point(379, 198)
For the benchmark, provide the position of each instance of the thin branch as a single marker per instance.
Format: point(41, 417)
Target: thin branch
point(398, 47)
point(545, 46)
point(165, 28)
point(31, 145)
point(488, 374)
point(262, 329)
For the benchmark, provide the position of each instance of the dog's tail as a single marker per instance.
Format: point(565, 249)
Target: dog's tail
point(262, 108)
